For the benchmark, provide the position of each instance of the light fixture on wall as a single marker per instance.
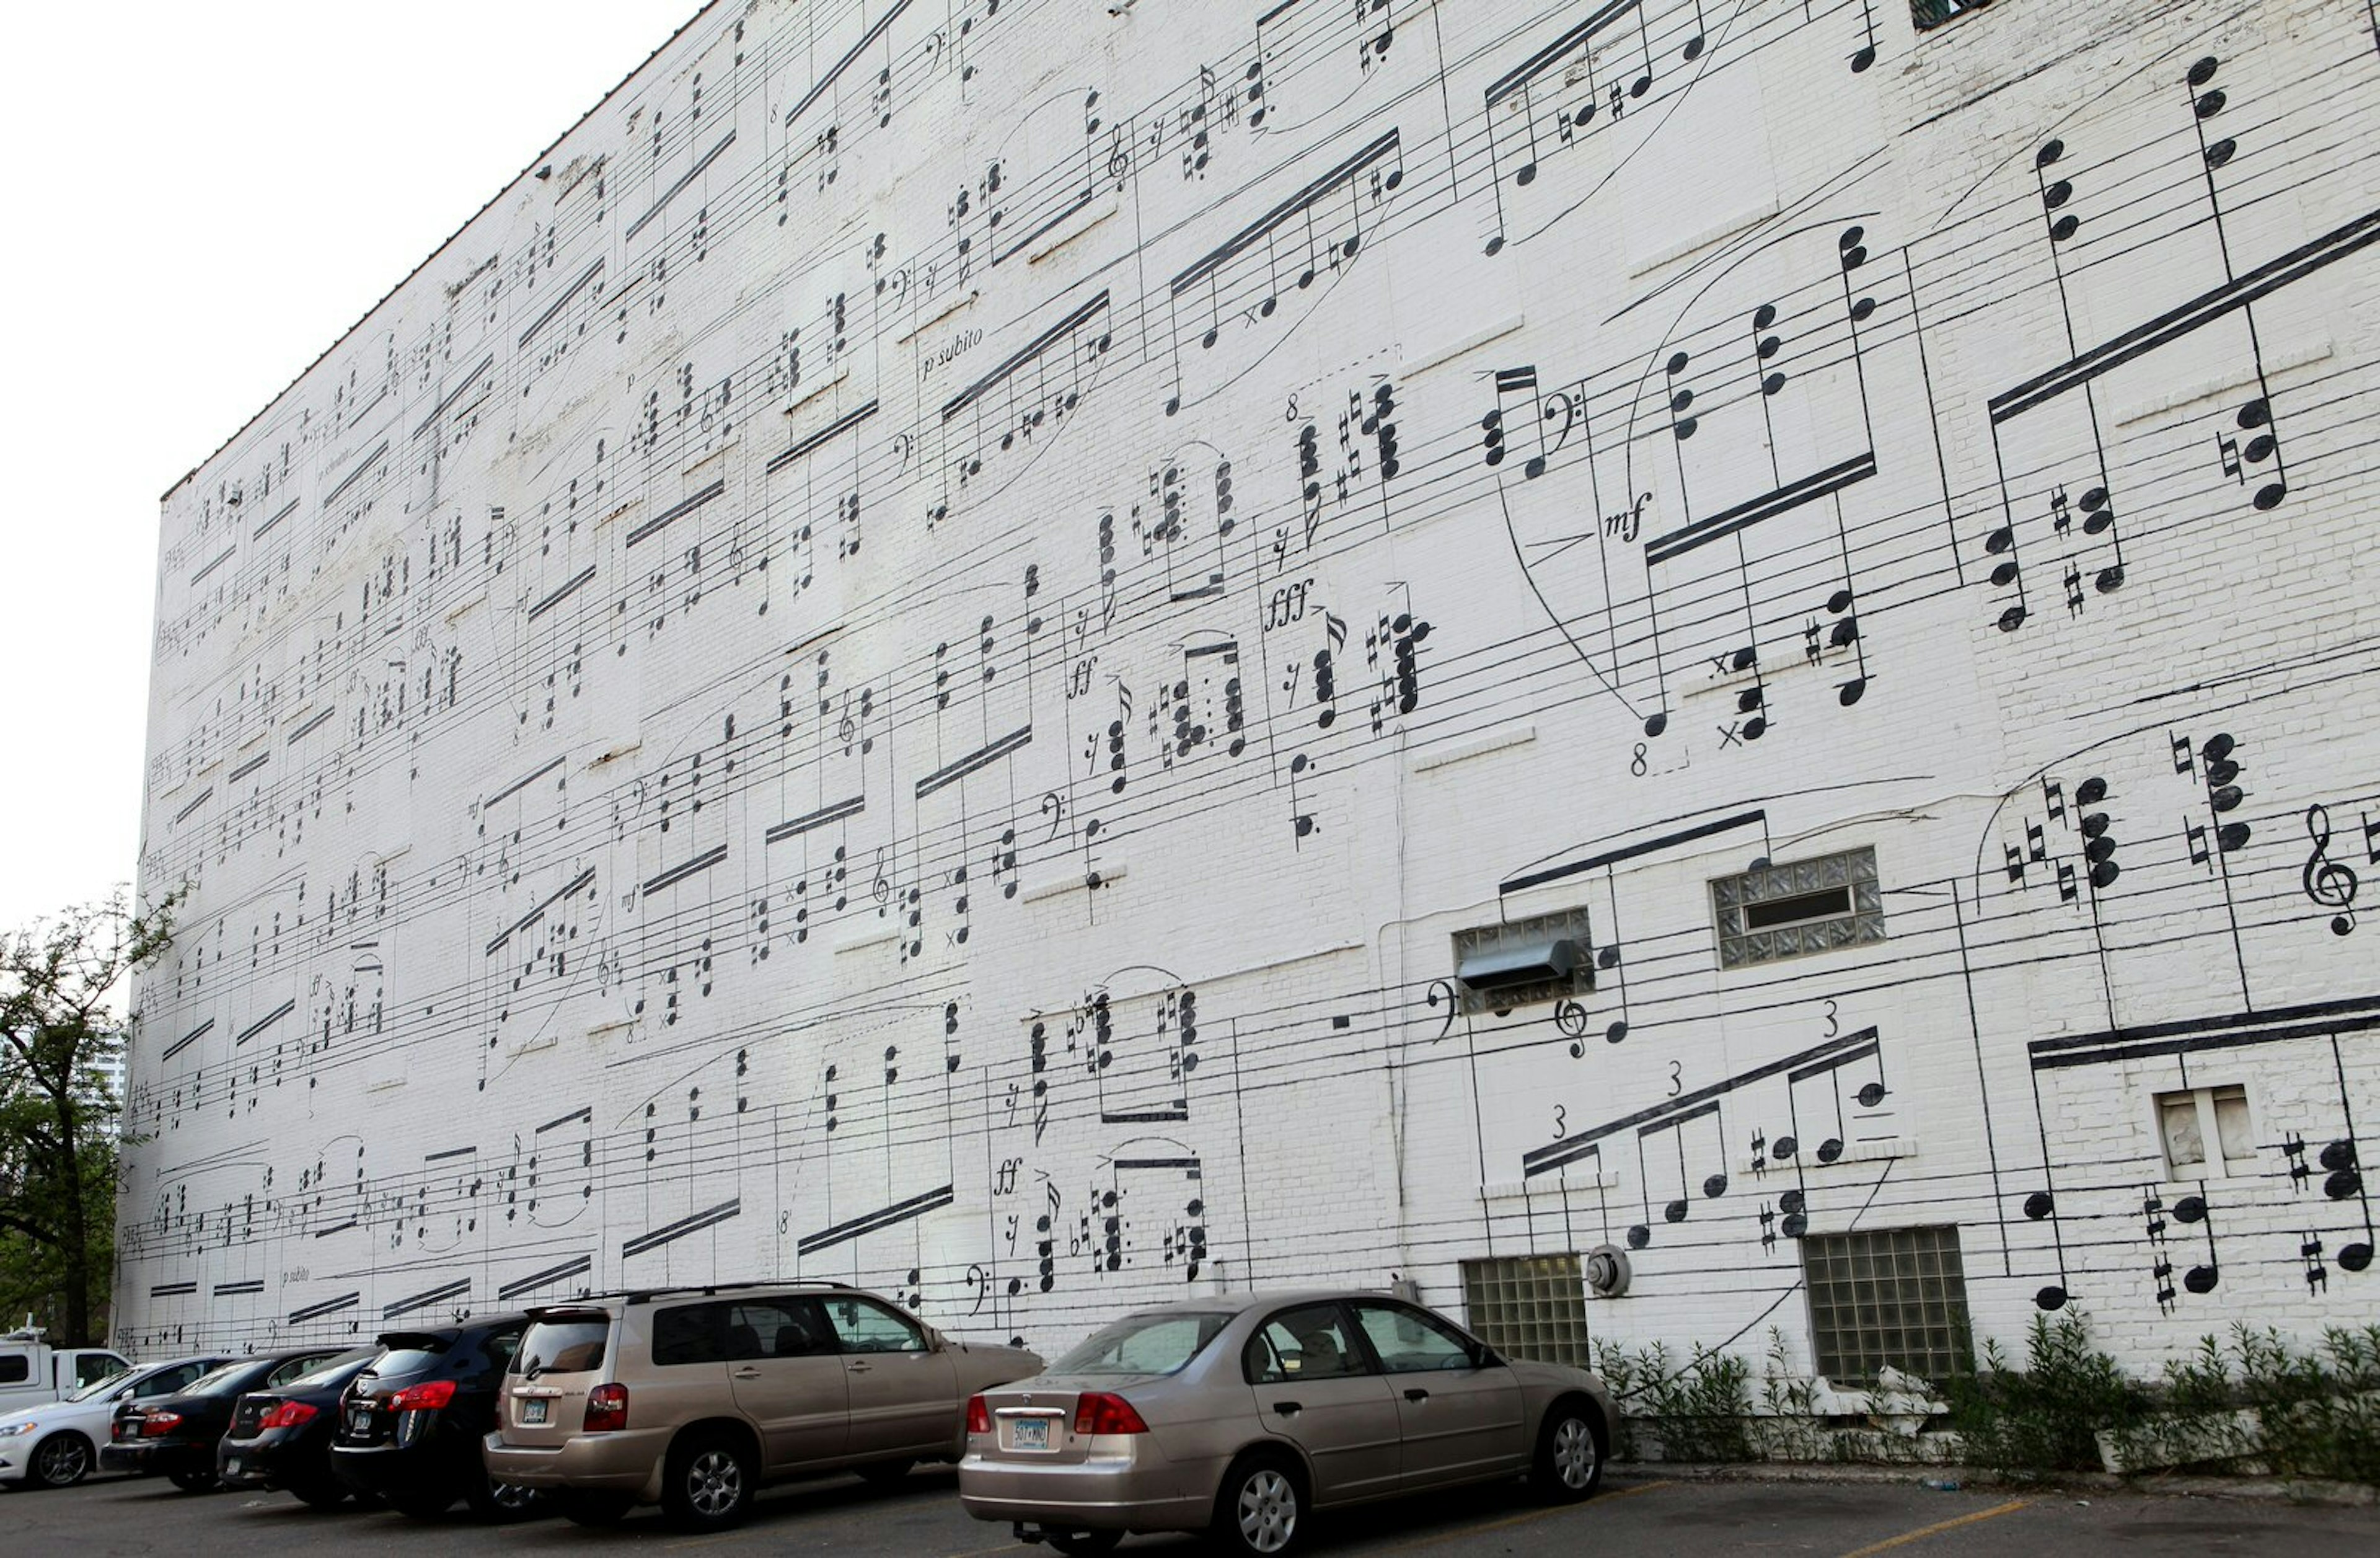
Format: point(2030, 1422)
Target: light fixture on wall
point(1607, 1271)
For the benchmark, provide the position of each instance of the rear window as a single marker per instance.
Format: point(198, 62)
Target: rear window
point(335, 1372)
point(563, 1346)
point(14, 1368)
point(229, 1378)
point(411, 1353)
point(1157, 1344)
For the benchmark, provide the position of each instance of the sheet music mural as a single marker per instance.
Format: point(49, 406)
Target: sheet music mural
point(901, 663)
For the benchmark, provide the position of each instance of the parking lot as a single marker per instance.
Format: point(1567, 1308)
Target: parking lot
point(1636, 1513)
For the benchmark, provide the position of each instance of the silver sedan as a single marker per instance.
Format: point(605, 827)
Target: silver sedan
point(1239, 1415)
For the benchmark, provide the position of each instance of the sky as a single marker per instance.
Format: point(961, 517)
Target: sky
point(204, 199)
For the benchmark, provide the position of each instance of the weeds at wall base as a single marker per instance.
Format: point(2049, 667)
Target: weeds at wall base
point(2251, 1404)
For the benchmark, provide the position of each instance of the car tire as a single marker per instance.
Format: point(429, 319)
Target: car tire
point(1085, 1544)
point(885, 1474)
point(594, 1506)
point(320, 1493)
point(708, 1483)
point(192, 1481)
point(1567, 1465)
point(1260, 1509)
point(60, 1461)
point(500, 1502)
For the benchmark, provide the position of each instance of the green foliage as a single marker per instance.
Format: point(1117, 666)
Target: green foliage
point(2302, 1414)
point(1698, 1411)
point(59, 983)
point(2045, 1417)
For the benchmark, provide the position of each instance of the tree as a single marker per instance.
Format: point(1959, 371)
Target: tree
point(59, 1024)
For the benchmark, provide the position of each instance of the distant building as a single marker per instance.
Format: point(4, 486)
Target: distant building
point(1667, 669)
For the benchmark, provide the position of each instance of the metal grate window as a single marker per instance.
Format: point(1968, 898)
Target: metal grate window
point(1931, 14)
point(1897, 1297)
point(1802, 906)
point(1529, 1306)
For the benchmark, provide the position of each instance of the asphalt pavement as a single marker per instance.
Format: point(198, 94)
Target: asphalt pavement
point(1637, 1513)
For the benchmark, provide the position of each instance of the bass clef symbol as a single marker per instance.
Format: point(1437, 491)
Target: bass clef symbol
point(2328, 882)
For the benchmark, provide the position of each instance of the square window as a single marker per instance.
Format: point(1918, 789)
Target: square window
point(1529, 1306)
point(1910, 1314)
point(2206, 1132)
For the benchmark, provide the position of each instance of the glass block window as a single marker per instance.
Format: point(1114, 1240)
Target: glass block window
point(1529, 1306)
point(2206, 1132)
point(1802, 906)
point(1931, 14)
point(1898, 1298)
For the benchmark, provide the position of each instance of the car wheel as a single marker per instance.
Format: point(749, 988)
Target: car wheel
point(884, 1474)
point(1261, 1507)
point(708, 1484)
point(494, 1501)
point(593, 1506)
point(61, 1460)
point(192, 1481)
point(1085, 1544)
point(1569, 1463)
point(325, 1493)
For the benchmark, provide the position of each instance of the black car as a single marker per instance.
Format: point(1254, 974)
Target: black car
point(175, 1436)
point(281, 1437)
point(411, 1424)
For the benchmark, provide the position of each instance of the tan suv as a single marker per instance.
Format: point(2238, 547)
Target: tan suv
point(695, 1397)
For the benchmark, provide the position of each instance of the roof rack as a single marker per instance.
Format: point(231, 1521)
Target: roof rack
point(647, 1295)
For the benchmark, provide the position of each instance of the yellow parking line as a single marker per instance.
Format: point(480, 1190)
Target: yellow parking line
point(1936, 1530)
point(1522, 1519)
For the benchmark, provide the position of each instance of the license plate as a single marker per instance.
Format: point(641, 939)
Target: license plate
point(231, 1466)
point(359, 1419)
point(1030, 1433)
point(533, 1411)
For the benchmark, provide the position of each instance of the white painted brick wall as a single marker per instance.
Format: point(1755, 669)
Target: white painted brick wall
point(601, 872)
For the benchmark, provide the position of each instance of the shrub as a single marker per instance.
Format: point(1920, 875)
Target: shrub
point(2044, 1417)
point(1698, 1412)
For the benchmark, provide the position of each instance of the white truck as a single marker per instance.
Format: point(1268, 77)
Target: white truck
point(32, 1373)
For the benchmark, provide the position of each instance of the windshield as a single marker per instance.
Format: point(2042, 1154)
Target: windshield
point(335, 1372)
point(1158, 1344)
point(101, 1387)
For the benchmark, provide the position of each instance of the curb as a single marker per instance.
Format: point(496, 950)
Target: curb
point(2249, 1489)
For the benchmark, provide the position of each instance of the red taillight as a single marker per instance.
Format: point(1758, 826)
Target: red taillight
point(158, 1424)
point(1098, 1412)
point(290, 1413)
point(607, 1410)
point(427, 1397)
point(978, 1416)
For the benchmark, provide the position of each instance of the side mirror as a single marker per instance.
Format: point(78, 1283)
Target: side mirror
point(124, 1395)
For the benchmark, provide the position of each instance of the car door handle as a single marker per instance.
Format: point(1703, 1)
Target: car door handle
point(1288, 1408)
point(857, 1368)
point(747, 1373)
point(1416, 1394)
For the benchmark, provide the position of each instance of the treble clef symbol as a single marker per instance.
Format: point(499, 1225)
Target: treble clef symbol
point(2328, 881)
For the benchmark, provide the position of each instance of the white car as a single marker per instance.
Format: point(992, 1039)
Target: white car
point(55, 1446)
